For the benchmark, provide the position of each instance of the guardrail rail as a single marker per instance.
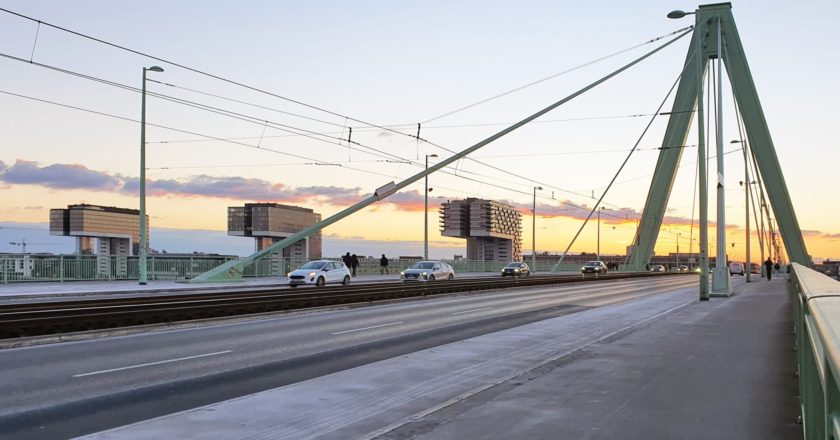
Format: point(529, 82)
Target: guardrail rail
point(817, 327)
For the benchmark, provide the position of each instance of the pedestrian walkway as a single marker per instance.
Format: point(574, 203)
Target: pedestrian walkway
point(666, 366)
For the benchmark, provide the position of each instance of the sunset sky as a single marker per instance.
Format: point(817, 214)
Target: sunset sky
point(394, 64)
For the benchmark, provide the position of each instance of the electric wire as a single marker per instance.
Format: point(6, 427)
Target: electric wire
point(533, 83)
point(220, 78)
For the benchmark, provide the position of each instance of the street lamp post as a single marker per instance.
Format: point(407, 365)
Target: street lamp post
point(426, 211)
point(143, 238)
point(746, 185)
point(598, 247)
point(534, 231)
point(679, 234)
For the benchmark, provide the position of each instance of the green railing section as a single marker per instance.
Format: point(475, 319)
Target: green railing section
point(16, 268)
point(817, 325)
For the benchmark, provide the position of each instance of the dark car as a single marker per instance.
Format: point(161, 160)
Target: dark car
point(594, 267)
point(516, 269)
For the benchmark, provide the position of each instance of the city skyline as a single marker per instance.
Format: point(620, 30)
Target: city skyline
point(192, 178)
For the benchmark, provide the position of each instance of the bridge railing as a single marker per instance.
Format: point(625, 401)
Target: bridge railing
point(16, 268)
point(817, 326)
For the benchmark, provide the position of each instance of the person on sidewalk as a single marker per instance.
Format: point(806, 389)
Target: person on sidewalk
point(768, 267)
point(383, 265)
point(354, 263)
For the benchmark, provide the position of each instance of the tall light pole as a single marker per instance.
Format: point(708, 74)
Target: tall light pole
point(598, 249)
point(426, 211)
point(143, 238)
point(534, 231)
point(746, 185)
point(679, 234)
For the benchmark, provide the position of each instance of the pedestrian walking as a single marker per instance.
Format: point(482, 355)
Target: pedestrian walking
point(346, 259)
point(354, 263)
point(383, 265)
point(768, 267)
point(777, 267)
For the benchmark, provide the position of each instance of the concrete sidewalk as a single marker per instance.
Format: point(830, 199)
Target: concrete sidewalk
point(666, 366)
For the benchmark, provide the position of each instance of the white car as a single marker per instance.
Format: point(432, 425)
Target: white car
point(736, 268)
point(320, 272)
point(428, 271)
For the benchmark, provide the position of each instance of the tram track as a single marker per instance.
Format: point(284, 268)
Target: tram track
point(59, 317)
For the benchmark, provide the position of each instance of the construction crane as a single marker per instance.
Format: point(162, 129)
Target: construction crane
point(22, 244)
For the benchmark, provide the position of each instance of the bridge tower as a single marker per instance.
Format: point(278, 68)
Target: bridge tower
point(715, 37)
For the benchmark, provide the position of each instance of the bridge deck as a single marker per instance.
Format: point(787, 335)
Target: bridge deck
point(666, 366)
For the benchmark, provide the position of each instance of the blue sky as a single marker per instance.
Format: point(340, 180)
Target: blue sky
point(397, 63)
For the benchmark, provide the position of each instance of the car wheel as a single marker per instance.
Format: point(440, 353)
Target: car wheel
point(346, 280)
point(321, 281)
point(293, 285)
point(431, 277)
point(450, 277)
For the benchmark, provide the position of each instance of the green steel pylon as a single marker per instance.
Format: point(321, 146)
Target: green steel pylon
point(713, 20)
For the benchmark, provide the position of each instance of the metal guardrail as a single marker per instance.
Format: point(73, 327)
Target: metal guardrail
point(817, 326)
point(24, 268)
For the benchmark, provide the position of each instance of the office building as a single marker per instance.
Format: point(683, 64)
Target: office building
point(104, 231)
point(269, 223)
point(493, 229)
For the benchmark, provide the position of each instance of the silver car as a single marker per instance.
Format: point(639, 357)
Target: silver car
point(428, 271)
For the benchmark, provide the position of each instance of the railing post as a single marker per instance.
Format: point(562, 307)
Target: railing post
point(5, 280)
point(61, 267)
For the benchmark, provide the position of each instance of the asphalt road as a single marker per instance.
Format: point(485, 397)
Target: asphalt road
point(74, 388)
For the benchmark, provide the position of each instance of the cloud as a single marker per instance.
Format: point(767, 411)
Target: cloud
point(58, 176)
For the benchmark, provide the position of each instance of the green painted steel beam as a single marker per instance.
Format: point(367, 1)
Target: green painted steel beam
point(233, 270)
point(761, 143)
point(665, 171)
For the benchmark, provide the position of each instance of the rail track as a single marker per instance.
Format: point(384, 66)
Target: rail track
point(38, 319)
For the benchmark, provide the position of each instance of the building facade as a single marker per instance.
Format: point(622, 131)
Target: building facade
point(104, 231)
point(493, 229)
point(269, 223)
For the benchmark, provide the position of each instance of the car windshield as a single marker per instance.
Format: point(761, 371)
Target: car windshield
point(423, 265)
point(513, 264)
point(314, 265)
point(592, 263)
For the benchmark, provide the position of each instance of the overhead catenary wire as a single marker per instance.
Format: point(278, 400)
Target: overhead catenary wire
point(264, 123)
point(620, 168)
point(259, 90)
point(246, 86)
point(550, 77)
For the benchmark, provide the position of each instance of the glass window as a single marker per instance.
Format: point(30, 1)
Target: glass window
point(314, 265)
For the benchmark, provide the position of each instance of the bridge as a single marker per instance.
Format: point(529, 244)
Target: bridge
point(631, 354)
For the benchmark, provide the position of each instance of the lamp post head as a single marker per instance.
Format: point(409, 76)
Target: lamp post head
point(735, 142)
point(676, 14)
point(155, 69)
point(431, 155)
point(537, 188)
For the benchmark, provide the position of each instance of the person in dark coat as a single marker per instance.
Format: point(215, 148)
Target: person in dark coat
point(354, 263)
point(346, 259)
point(383, 265)
point(768, 268)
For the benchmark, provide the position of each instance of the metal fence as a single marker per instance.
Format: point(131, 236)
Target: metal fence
point(817, 326)
point(15, 268)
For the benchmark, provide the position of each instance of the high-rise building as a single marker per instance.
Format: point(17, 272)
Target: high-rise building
point(105, 231)
point(493, 229)
point(269, 223)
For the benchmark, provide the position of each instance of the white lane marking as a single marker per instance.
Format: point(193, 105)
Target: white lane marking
point(473, 310)
point(368, 328)
point(148, 364)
